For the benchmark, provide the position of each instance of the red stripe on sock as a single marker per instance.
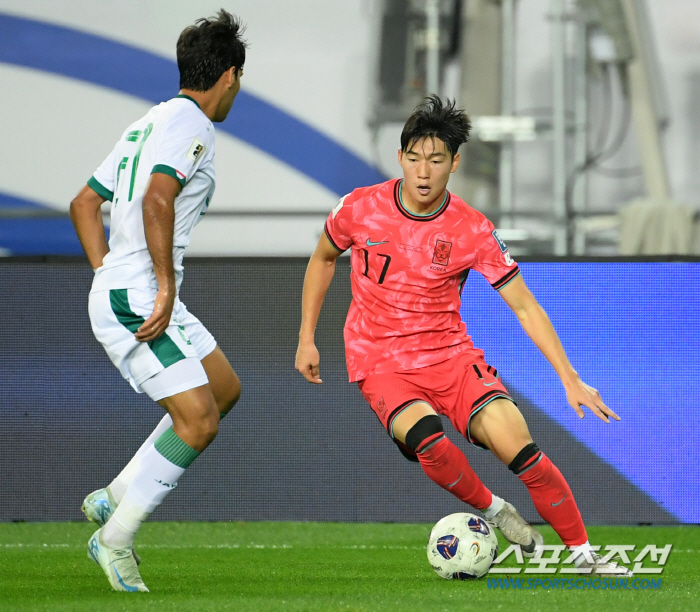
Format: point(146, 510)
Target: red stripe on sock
point(554, 501)
point(447, 466)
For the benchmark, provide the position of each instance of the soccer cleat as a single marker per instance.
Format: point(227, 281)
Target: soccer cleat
point(118, 565)
point(98, 508)
point(516, 529)
point(597, 566)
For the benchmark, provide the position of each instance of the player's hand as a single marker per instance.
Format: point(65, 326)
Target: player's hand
point(307, 361)
point(580, 394)
point(158, 322)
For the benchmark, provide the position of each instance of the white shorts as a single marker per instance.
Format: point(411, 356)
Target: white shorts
point(115, 316)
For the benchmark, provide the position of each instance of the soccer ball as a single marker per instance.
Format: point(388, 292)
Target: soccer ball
point(462, 546)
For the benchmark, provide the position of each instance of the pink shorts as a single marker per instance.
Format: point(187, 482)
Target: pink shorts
point(457, 388)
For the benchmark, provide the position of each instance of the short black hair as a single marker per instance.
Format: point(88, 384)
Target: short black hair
point(434, 118)
point(209, 48)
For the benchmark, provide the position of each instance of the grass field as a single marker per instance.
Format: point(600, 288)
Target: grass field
point(306, 566)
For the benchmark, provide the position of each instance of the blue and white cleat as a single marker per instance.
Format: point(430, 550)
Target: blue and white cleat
point(118, 565)
point(98, 508)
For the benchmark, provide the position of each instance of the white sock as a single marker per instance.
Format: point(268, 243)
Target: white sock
point(120, 533)
point(161, 468)
point(581, 553)
point(121, 483)
point(495, 507)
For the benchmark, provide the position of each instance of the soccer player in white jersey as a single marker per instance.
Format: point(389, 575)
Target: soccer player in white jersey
point(160, 179)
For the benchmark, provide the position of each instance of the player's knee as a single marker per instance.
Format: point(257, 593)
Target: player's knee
point(405, 451)
point(427, 430)
point(525, 459)
point(231, 397)
point(207, 429)
point(202, 426)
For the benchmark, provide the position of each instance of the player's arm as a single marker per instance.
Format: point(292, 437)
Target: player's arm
point(159, 226)
point(537, 325)
point(319, 274)
point(86, 215)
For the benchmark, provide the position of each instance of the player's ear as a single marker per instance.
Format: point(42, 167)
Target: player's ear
point(229, 77)
point(455, 162)
point(400, 155)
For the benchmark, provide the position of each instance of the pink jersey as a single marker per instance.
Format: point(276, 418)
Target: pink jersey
point(407, 277)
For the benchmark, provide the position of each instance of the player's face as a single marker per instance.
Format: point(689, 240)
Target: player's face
point(427, 166)
point(222, 110)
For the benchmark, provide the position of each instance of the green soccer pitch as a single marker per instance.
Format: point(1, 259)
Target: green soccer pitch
point(307, 567)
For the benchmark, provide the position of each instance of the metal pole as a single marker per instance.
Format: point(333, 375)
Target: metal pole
point(580, 191)
point(559, 127)
point(505, 165)
point(432, 46)
point(646, 128)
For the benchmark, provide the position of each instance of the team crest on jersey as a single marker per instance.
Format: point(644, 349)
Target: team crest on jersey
point(441, 254)
point(196, 149)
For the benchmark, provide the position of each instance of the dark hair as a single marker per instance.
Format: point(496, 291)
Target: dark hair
point(434, 118)
point(209, 48)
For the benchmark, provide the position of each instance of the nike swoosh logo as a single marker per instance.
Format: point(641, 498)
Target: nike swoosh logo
point(560, 501)
point(455, 482)
point(370, 243)
point(127, 587)
point(489, 384)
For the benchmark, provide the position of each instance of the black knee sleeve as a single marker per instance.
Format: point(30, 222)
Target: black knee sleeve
point(405, 451)
point(523, 457)
point(423, 429)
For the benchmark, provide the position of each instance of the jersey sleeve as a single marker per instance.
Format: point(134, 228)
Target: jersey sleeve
point(338, 226)
point(182, 147)
point(102, 181)
point(492, 257)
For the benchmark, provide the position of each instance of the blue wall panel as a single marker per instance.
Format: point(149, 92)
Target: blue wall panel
point(631, 330)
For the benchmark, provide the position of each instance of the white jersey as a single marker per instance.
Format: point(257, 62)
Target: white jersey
point(175, 138)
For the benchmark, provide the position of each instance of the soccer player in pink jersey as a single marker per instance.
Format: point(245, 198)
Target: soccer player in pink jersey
point(412, 245)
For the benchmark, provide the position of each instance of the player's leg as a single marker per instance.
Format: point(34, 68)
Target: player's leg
point(404, 408)
point(501, 427)
point(195, 424)
point(496, 423)
point(224, 383)
point(99, 505)
point(420, 429)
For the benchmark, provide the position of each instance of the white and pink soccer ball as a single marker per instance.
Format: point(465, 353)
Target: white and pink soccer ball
point(462, 546)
